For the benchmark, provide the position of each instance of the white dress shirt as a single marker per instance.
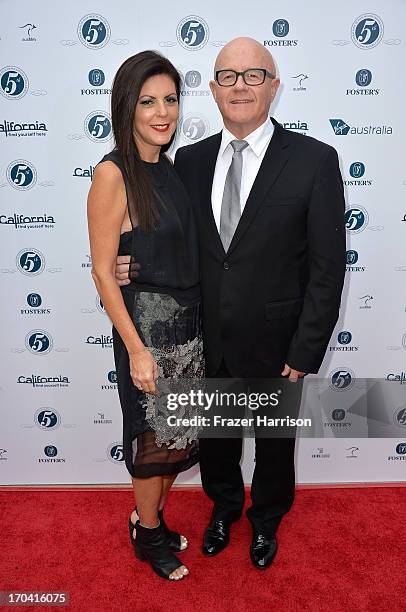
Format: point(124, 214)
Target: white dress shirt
point(252, 157)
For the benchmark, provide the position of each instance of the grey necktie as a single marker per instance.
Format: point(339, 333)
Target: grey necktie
point(230, 206)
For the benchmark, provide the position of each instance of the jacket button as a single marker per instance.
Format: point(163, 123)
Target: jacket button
point(226, 265)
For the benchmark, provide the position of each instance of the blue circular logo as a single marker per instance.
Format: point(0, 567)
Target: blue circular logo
point(367, 31)
point(356, 219)
point(400, 417)
point(338, 414)
point(342, 379)
point(363, 77)
point(39, 342)
point(344, 337)
point(401, 448)
point(34, 300)
point(192, 33)
point(357, 169)
point(193, 78)
point(280, 28)
point(94, 31)
point(98, 126)
point(21, 174)
point(194, 127)
point(115, 452)
point(50, 451)
point(30, 262)
point(47, 418)
point(352, 257)
point(96, 77)
point(13, 83)
point(112, 377)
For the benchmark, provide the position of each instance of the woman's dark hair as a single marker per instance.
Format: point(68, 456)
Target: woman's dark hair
point(127, 86)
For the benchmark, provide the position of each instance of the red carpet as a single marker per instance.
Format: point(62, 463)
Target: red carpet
point(340, 550)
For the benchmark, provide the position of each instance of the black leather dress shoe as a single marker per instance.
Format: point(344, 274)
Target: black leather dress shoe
point(216, 537)
point(263, 550)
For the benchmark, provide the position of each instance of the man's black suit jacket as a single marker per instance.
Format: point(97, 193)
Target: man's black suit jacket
point(274, 296)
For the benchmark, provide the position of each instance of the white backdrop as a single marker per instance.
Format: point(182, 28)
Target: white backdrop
point(341, 71)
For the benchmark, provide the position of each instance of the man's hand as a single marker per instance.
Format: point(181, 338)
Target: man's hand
point(122, 269)
point(293, 374)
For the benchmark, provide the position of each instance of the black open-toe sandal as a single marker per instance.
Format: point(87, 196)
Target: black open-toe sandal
point(151, 545)
point(174, 539)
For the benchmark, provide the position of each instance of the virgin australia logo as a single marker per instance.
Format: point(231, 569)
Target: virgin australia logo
point(341, 128)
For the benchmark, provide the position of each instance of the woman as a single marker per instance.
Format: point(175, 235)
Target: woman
point(137, 206)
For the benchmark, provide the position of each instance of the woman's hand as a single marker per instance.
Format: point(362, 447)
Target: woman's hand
point(144, 371)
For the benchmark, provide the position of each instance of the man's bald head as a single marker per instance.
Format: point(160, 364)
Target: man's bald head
point(241, 49)
point(244, 107)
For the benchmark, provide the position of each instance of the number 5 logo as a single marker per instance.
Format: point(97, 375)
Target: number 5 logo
point(356, 219)
point(94, 31)
point(192, 33)
point(367, 31)
point(13, 83)
point(38, 342)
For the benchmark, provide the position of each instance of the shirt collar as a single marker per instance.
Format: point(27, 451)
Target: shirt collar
point(257, 140)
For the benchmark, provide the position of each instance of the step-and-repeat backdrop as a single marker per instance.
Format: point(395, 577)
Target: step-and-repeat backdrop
point(342, 81)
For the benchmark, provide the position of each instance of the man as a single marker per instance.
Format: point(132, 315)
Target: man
point(270, 212)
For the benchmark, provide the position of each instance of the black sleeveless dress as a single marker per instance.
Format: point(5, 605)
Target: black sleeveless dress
point(163, 300)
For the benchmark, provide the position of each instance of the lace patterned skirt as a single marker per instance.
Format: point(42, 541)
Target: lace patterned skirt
point(172, 333)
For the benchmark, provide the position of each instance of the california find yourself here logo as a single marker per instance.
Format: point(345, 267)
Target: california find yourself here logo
point(23, 129)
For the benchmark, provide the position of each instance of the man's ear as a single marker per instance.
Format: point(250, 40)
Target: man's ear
point(213, 88)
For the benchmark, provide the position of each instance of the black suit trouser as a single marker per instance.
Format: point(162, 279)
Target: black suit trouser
point(273, 482)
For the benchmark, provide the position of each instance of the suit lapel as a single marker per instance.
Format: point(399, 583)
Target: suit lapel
point(206, 182)
point(275, 158)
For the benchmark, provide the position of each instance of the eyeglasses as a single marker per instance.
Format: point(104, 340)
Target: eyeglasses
point(251, 76)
